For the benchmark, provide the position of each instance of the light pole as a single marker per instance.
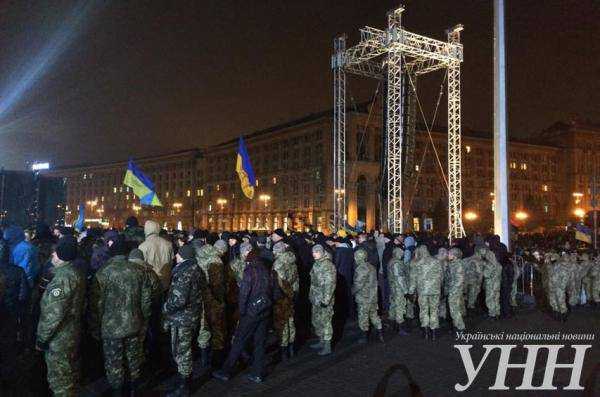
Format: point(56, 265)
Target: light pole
point(265, 198)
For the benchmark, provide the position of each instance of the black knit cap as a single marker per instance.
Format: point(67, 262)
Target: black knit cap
point(187, 252)
point(118, 246)
point(66, 249)
point(279, 232)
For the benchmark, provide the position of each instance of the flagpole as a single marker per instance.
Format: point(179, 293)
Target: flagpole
point(595, 214)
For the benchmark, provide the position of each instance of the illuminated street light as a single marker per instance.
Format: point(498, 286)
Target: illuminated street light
point(470, 216)
point(578, 197)
point(177, 206)
point(579, 212)
point(521, 215)
point(265, 198)
point(222, 202)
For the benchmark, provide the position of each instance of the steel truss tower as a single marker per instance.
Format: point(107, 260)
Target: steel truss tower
point(392, 55)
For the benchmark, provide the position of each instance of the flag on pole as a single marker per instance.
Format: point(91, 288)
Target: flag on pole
point(80, 222)
point(583, 233)
point(141, 185)
point(244, 170)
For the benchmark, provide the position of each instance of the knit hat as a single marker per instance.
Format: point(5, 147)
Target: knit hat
point(66, 249)
point(187, 252)
point(245, 248)
point(221, 246)
point(279, 232)
point(318, 248)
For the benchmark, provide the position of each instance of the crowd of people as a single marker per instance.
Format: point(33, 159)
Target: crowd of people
point(146, 300)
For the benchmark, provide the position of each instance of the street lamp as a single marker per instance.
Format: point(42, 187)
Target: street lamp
point(579, 212)
point(177, 206)
point(470, 216)
point(222, 202)
point(521, 215)
point(265, 198)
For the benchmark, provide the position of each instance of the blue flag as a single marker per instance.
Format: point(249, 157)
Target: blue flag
point(244, 170)
point(80, 222)
point(583, 233)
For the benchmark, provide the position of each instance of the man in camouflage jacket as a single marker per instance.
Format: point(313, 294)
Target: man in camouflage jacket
point(426, 282)
point(364, 289)
point(182, 311)
point(454, 287)
point(120, 307)
point(59, 327)
point(492, 276)
point(321, 296)
point(283, 310)
point(473, 279)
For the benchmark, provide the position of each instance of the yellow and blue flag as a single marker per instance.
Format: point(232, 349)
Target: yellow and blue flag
point(244, 170)
point(141, 185)
point(583, 233)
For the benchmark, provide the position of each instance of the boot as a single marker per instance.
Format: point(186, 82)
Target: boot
point(205, 358)
point(563, 317)
point(291, 351)
point(317, 345)
point(425, 332)
point(184, 386)
point(283, 350)
point(326, 350)
point(363, 338)
point(380, 336)
point(402, 330)
point(433, 332)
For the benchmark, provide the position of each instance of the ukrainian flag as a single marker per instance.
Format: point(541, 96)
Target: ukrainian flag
point(583, 233)
point(142, 185)
point(244, 170)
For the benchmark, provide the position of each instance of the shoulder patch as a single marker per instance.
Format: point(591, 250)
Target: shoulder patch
point(56, 292)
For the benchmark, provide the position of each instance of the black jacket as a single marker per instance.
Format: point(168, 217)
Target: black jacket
point(16, 293)
point(257, 286)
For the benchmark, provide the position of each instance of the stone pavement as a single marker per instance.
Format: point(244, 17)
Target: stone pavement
point(435, 367)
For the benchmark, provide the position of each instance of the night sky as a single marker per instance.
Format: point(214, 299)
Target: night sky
point(131, 79)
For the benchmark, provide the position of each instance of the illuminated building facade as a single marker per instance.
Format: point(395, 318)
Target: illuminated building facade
point(550, 180)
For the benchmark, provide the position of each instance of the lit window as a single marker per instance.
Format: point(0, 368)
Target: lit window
point(218, 187)
point(114, 189)
point(209, 207)
point(127, 197)
point(84, 176)
point(416, 224)
point(513, 165)
point(545, 189)
point(546, 209)
point(417, 168)
point(189, 193)
point(274, 180)
point(201, 192)
point(524, 166)
point(102, 199)
point(167, 194)
point(256, 182)
point(121, 189)
point(468, 149)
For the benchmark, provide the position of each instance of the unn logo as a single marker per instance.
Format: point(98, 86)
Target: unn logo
point(528, 367)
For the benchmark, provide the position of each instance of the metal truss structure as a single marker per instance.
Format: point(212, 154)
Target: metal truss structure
point(393, 55)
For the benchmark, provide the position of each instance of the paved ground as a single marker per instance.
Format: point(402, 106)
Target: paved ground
point(435, 367)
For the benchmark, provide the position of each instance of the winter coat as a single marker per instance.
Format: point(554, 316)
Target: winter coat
point(257, 284)
point(158, 252)
point(364, 287)
point(322, 281)
point(22, 253)
point(425, 274)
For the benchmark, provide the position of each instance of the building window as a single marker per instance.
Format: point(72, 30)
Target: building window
point(546, 209)
point(274, 182)
point(524, 166)
point(218, 187)
point(416, 224)
point(189, 193)
point(209, 207)
point(545, 189)
point(513, 165)
point(417, 168)
point(468, 149)
point(115, 189)
point(256, 182)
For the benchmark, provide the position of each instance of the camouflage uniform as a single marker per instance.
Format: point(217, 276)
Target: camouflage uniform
point(518, 272)
point(59, 328)
point(492, 276)
point(595, 276)
point(120, 307)
point(455, 286)
point(283, 310)
point(212, 324)
point(473, 279)
point(574, 285)
point(398, 272)
point(558, 281)
point(322, 288)
point(182, 311)
point(364, 289)
point(426, 281)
